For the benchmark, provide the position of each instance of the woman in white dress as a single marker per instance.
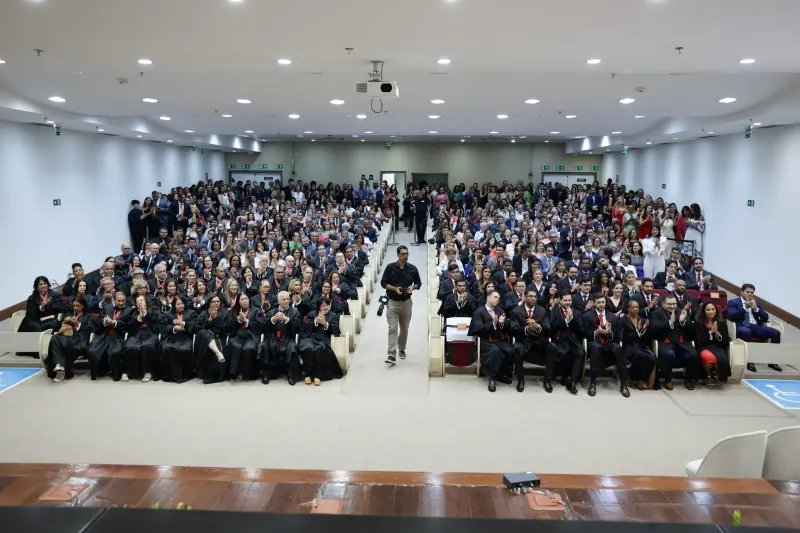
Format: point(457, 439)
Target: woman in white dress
point(695, 227)
point(653, 249)
point(668, 231)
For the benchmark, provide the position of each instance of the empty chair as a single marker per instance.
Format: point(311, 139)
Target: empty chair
point(782, 460)
point(737, 456)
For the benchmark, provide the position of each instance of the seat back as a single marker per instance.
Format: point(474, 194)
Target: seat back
point(737, 456)
point(693, 293)
point(782, 460)
point(719, 298)
point(661, 293)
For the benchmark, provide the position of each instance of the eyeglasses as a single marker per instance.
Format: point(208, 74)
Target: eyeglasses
point(403, 253)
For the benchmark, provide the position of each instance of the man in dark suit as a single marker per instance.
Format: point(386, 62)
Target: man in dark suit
point(501, 275)
point(447, 285)
point(594, 201)
point(521, 261)
point(490, 324)
point(582, 300)
point(683, 266)
point(459, 303)
point(567, 334)
point(648, 302)
point(530, 325)
point(673, 328)
point(513, 299)
point(684, 300)
point(604, 350)
point(750, 319)
point(666, 280)
point(469, 249)
point(699, 279)
point(569, 238)
point(570, 283)
point(180, 212)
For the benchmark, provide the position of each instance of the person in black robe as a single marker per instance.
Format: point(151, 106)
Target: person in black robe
point(490, 324)
point(530, 326)
point(319, 361)
point(339, 305)
point(245, 324)
point(712, 341)
point(632, 332)
point(81, 289)
point(515, 298)
point(177, 334)
point(298, 299)
point(264, 299)
point(340, 288)
point(249, 283)
point(604, 349)
point(41, 310)
point(674, 329)
point(279, 356)
point(70, 341)
point(210, 333)
point(567, 334)
point(458, 304)
point(107, 347)
point(141, 346)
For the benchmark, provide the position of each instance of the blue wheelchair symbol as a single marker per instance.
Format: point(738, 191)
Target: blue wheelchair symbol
point(783, 393)
point(11, 377)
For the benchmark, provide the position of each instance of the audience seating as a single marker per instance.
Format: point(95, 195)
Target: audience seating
point(19, 342)
point(737, 456)
point(660, 293)
point(782, 459)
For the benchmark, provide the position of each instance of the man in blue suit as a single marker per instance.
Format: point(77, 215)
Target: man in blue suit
point(750, 319)
point(180, 212)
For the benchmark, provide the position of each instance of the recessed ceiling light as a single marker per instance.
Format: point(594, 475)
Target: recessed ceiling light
point(616, 132)
point(547, 141)
point(144, 61)
point(627, 101)
point(101, 130)
point(361, 116)
point(367, 132)
point(463, 140)
point(164, 117)
point(244, 101)
point(355, 136)
point(523, 136)
point(248, 131)
point(756, 124)
point(188, 131)
point(648, 142)
point(444, 61)
point(493, 132)
point(138, 136)
point(2, 62)
point(433, 116)
point(308, 132)
point(711, 133)
point(674, 138)
point(433, 132)
point(294, 116)
point(437, 101)
point(169, 140)
point(571, 116)
point(593, 61)
point(284, 61)
point(337, 102)
point(513, 140)
point(150, 100)
point(392, 136)
point(531, 101)
point(727, 100)
point(301, 136)
point(57, 99)
point(608, 150)
point(639, 116)
point(747, 61)
point(234, 1)
point(50, 122)
point(227, 116)
point(313, 140)
point(362, 140)
point(554, 132)
point(501, 117)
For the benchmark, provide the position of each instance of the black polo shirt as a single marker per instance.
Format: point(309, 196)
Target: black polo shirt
point(400, 277)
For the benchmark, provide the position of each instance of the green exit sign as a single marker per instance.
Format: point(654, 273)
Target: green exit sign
point(56, 202)
point(595, 168)
point(579, 167)
point(279, 166)
point(262, 165)
point(751, 203)
point(245, 166)
point(232, 167)
point(545, 167)
point(560, 167)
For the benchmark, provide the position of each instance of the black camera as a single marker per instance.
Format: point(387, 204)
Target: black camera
point(383, 300)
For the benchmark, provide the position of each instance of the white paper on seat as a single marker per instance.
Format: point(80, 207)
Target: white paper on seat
point(452, 334)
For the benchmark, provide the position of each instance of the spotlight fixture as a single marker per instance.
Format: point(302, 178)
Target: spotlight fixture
point(367, 132)
point(463, 140)
point(648, 142)
point(531, 101)
point(284, 61)
point(361, 117)
point(639, 116)
point(747, 61)
point(433, 116)
point(437, 101)
point(570, 116)
point(308, 132)
point(57, 99)
point(244, 101)
point(593, 61)
point(493, 132)
point(554, 132)
point(444, 61)
point(294, 116)
point(616, 133)
point(627, 101)
point(165, 117)
point(149, 100)
point(433, 132)
point(145, 61)
point(100, 130)
point(227, 116)
point(169, 140)
point(188, 131)
point(513, 140)
point(2, 62)
point(501, 117)
point(756, 123)
point(727, 100)
point(138, 136)
point(248, 131)
point(337, 102)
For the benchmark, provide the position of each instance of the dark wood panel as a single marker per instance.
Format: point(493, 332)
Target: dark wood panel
point(457, 502)
point(257, 497)
point(234, 496)
point(200, 495)
point(381, 500)
point(159, 493)
point(333, 491)
point(356, 500)
point(481, 502)
point(406, 501)
point(22, 488)
point(432, 501)
point(303, 501)
point(282, 498)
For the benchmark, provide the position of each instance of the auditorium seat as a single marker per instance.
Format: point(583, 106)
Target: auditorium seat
point(661, 293)
point(737, 456)
point(782, 461)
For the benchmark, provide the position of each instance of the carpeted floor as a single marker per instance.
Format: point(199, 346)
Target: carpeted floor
point(377, 418)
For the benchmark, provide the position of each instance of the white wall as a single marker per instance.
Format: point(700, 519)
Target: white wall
point(753, 244)
point(465, 162)
point(95, 177)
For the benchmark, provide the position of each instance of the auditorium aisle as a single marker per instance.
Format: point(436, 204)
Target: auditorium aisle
point(368, 373)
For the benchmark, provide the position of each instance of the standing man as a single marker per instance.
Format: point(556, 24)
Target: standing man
point(422, 205)
point(400, 279)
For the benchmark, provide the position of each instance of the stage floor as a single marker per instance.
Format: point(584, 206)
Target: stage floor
point(464, 495)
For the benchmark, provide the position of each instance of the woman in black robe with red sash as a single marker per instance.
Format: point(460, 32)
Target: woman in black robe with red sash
point(177, 334)
point(141, 347)
point(211, 329)
point(319, 361)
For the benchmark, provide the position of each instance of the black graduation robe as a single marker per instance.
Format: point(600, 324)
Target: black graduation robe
point(278, 354)
point(243, 343)
point(177, 355)
point(64, 350)
point(319, 361)
point(107, 347)
point(495, 353)
point(142, 345)
point(207, 366)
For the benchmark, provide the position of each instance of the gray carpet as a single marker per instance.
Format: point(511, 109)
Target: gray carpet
point(377, 418)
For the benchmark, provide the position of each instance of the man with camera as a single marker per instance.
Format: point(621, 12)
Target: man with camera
point(400, 279)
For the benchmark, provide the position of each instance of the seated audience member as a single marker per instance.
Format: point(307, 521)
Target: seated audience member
point(673, 328)
point(70, 340)
point(105, 351)
point(77, 275)
point(632, 333)
point(451, 258)
point(684, 301)
point(570, 283)
point(615, 301)
point(750, 319)
point(319, 361)
point(263, 300)
point(177, 330)
point(648, 302)
point(604, 350)
point(141, 346)
point(582, 300)
point(530, 325)
point(699, 279)
point(666, 280)
point(245, 324)
point(210, 333)
point(339, 305)
point(490, 324)
point(515, 298)
point(459, 303)
point(448, 283)
point(278, 354)
point(681, 265)
point(41, 309)
point(567, 336)
point(712, 341)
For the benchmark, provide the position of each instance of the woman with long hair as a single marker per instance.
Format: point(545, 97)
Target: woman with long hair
point(615, 301)
point(210, 331)
point(339, 287)
point(177, 330)
point(319, 361)
point(339, 305)
point(231, 293)
point(70, 340)
point(297, 299)
point(632, 332)
point(141, 345)
point(245, 323)
point(712, 341)
point(479, 287)
point(653, 248)
point(41, 309)
point(249, 283)
point(80, 288)
point(189, 286)
point(695, 227)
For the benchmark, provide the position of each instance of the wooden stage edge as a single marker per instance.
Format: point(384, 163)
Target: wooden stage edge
point(233, 475)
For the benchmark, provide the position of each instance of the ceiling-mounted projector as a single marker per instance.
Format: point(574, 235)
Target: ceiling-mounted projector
point(376, 87)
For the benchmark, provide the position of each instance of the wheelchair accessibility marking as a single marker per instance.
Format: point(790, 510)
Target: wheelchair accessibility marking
point(783, 393)
point(11, 377)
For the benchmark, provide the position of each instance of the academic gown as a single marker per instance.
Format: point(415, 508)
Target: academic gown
point(243, 343)
point(177, 354)
point(319, 361)
point(258, 301)
point(670, 337)
point(450, 308)
point(207, 366)
point(339, 305)
point(278, 355)
point(142, 346)
point(511, 300)
point(64, 350)
point(604, 350)
point(532, 346)
point(36, 319)
point(496, 355)
point(703, 341)
point(303, 305)
point(107, 347)
point(567, 340)
point(636, 349)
